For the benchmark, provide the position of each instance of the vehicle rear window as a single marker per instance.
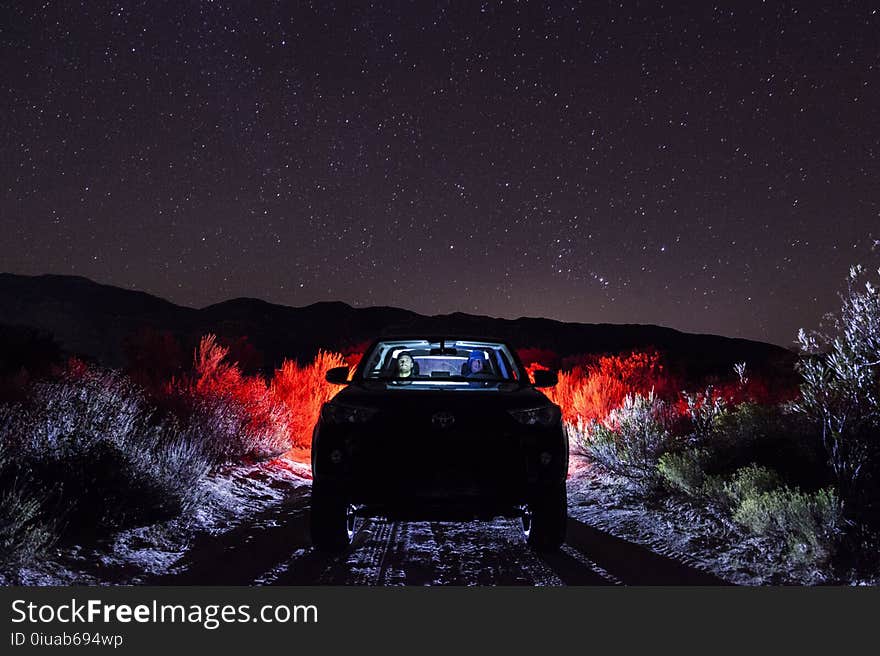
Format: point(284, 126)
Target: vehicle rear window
point(441, 364)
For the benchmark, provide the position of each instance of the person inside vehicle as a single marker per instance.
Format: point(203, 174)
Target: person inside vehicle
point(405, 366)
point(477, 366)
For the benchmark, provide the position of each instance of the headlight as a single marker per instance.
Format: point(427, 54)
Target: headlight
point(546, 415)
point(336, 413)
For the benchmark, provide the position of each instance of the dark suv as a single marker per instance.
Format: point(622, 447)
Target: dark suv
point(439, 428)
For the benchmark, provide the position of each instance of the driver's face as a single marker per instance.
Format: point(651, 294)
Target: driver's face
point(476, 365)
point(405, 365)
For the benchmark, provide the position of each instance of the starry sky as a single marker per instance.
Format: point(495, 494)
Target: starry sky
point(708, 167)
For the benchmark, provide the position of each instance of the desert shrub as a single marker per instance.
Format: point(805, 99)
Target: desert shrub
point(736, 434)
point(90, 442)
point(718, 439)
point(685, 470)
point(730, 437)
point(244, 417)
point(303, 390)
point(774, 387)
point(221, 426)
point(591, 389)
point(743, 425)
point(23, 534)
point(809, 523)
point(703, 409)
point(266, 431)
point(234, 429)
point(238, 417)
point(746, 483)
point(632, 440)
point(770, 435)
point(840, 389)
point(692, 472)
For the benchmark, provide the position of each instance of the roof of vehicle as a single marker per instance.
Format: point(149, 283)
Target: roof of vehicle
point(438, 337)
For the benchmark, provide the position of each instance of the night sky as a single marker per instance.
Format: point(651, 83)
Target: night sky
point(712, 168)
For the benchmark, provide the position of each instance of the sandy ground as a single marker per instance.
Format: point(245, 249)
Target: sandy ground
point(254, 531)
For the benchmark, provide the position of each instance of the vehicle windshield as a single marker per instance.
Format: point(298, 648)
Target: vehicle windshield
point(441, 364)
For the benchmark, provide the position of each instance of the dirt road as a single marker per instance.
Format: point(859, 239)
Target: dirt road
point(274, 549)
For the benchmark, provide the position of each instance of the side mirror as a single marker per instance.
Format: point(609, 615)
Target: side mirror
point(544, 378)
point(337, 375)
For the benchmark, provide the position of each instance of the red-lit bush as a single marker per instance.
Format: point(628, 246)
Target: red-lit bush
point(268, 421)
point(590, 391)
point(238, 414)
point(592, 386)
point(303, 389)
point(245, 416)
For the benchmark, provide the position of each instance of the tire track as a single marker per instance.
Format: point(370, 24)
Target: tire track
point(574, 568)
point(369, 552)
point(456, 553)
point(636, 564)
point(275, 549)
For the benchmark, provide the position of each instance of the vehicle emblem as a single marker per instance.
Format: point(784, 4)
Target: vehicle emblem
point(443, 419)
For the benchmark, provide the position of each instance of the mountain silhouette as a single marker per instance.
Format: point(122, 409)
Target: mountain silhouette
point(95, 321)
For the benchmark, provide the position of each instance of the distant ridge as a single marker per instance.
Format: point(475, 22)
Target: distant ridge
point(94, 320)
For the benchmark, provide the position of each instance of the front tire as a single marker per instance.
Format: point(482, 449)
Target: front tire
point(332, 519)
point(545, 517)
